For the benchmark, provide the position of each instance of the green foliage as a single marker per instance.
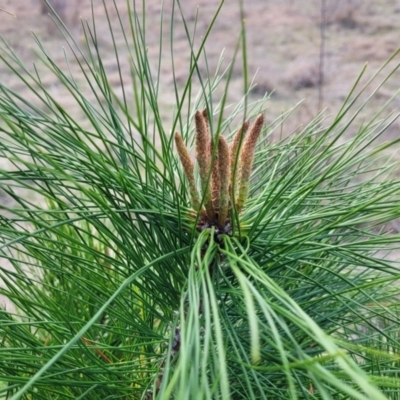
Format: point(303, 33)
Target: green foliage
point(117, 295)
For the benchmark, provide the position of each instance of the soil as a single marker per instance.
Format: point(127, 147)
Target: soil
point(283, 52)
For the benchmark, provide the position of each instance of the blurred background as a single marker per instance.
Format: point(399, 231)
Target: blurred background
point(311, 49)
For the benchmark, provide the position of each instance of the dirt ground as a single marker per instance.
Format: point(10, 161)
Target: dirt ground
point(284, 42)
point(284, 48)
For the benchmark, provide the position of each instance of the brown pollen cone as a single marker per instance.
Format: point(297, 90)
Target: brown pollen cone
point(246, 160)
point(234, 150)
point(203, 143)
point(215, 181)
point(214, 166)
point(188, 169)
point(224, 176)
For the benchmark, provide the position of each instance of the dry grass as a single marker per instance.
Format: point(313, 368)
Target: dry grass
point(303, 74)
point(66, 10)
point(283, 47)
